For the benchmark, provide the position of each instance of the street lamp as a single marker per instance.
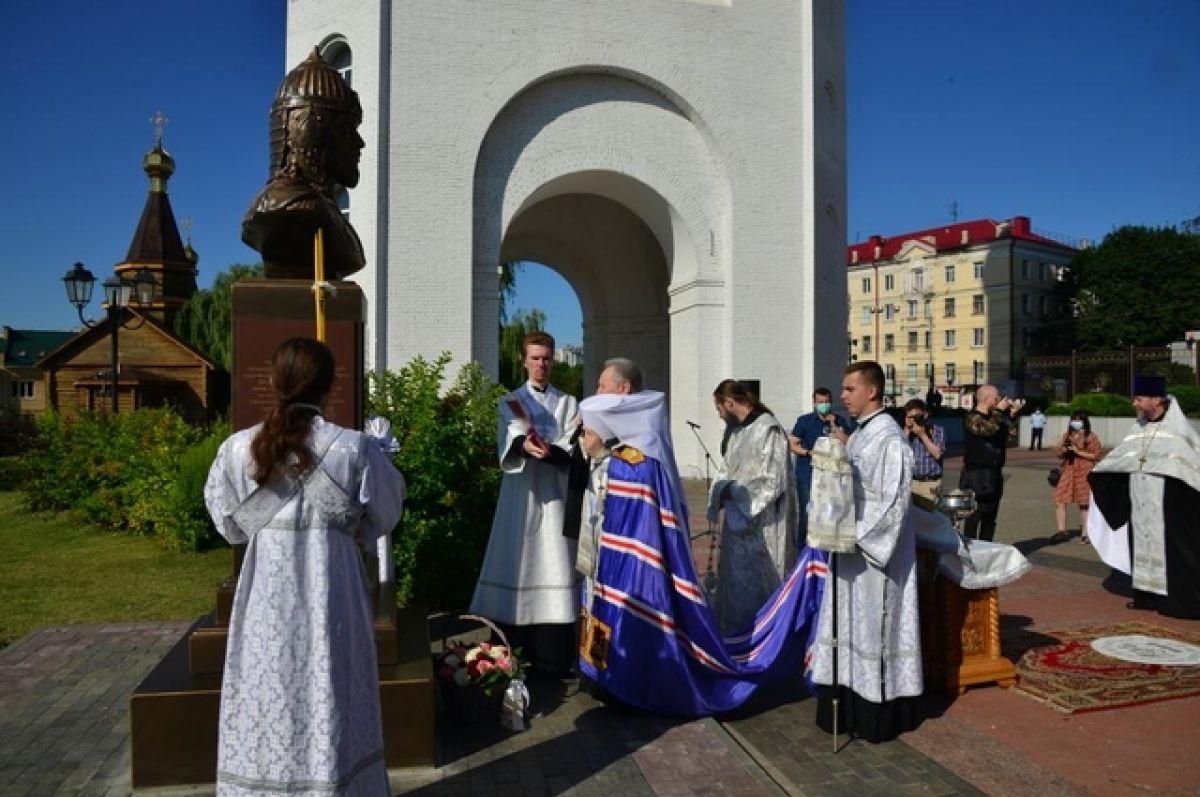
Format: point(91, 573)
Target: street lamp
point(79, 283)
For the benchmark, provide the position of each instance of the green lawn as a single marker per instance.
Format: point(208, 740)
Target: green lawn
point(54, 571)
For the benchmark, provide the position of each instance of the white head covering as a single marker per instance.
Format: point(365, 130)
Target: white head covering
point(639, 420)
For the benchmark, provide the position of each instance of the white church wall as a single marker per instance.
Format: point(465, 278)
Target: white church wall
point(767, 285)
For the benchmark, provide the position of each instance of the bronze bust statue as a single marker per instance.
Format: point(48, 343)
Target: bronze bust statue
point(315, 148)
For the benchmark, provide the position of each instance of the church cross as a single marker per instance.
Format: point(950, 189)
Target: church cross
point(160, 122)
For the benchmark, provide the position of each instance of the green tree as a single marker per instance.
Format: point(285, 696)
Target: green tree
point(205, 322)
point(1137, 288)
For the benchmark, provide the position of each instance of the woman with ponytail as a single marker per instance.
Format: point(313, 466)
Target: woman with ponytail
point(300, 694)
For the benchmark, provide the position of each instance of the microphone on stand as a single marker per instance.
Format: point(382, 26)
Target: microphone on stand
point(692, 424)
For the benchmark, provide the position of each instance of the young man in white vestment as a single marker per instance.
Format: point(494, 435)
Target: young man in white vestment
point(757, 495)
point(878, 640)
point(300, 707)
point(527, 583)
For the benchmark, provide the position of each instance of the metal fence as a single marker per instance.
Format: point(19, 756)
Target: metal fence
point(1061, 376)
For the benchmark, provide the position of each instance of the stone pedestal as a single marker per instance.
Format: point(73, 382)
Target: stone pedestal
point(960, 632)
point(266, 312)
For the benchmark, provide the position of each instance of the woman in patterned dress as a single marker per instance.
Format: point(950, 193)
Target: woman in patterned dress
point(300, 709)
point(1078, 451)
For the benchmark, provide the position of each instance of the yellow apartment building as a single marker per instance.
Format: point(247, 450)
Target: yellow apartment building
point(953, 307)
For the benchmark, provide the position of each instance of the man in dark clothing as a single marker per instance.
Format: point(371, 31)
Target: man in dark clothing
point(988, 427)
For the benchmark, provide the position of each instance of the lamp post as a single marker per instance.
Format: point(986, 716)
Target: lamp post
point(79, 283)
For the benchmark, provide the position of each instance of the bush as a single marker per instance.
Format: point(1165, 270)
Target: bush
point(140, 471)
point(448, 457)
point(1102, 405)
point(1188, 397)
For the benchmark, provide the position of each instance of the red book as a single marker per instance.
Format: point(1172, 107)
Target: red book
point(518, 411)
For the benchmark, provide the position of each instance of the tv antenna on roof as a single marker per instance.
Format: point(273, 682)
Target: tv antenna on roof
point(953, 208)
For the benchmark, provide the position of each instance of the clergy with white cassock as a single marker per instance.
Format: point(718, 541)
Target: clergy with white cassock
point(868, 666)
point(527, 583)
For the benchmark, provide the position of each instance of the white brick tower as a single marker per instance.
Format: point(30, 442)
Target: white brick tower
point(680, 162)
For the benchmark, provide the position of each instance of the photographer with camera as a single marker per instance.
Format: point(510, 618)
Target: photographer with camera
point(989, 428)
point(928, 443)
point(1079, 451)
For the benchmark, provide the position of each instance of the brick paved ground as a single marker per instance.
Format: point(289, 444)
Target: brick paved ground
point(64, 699)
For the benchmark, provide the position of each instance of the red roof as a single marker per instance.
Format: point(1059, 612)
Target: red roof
point(952, 236)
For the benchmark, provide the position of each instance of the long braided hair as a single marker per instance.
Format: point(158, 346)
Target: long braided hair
point(301, 375)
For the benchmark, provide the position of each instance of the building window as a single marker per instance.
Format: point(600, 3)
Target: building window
point(1025, 303)
point(979, 270)
point(866, 314)
point(889, 342)
point(928, 339)
point(889, 373)
point(951, 338)
point(1042, 305)
point(929, 308)
point(977, 304)
point(951, 373)
point(977, 337)
point(912, 308)
point(1024, 269)
point(1042, 272)
point(338, 56)
point(889, 312)
point(22, 388)
point(977, 368)
point(916, 280)
point(949, 273)
point(866, 344)
point(912, 341)
point(889, 282)
point(866, 284)
point(949, 309)
point(912, 372)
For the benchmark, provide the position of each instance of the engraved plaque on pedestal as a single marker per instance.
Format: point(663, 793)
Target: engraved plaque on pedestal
point(266, 312)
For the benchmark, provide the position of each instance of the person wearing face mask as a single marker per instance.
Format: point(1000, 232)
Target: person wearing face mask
point(1079, 451)
point(810, 427)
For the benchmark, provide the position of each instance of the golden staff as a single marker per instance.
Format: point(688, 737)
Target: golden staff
point(319, 284)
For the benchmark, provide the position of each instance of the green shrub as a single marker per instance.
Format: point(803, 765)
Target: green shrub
point(448, 457)
point(1103, 405)
point(140, 471)
point(1188, 397)
point(12, 473)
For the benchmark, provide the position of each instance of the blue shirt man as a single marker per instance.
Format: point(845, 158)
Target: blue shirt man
point(821, 422)
point(928, 444)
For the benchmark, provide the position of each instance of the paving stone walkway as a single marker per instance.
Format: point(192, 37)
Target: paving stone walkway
point(64, 696)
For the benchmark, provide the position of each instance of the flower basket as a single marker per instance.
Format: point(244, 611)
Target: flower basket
point(473, 678)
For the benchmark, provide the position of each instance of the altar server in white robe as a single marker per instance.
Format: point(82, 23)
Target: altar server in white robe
point(879, 681)
point(300, 695)
point(757, 494)
point(527, 583)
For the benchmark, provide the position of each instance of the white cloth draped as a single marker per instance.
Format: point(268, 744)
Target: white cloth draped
point(878, 639)
point(758, 528)
point(528, 573)
point(300, 697)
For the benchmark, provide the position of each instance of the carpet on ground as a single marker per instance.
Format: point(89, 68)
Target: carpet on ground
point(1142, 663)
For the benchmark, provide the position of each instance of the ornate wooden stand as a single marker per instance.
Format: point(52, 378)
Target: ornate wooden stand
point(960, 632)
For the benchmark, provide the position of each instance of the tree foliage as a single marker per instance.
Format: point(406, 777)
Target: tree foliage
point(448, 457)
point(1137, 288)
point(205, 322)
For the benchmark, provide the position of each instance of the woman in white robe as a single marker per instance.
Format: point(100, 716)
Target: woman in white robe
point(300, 707)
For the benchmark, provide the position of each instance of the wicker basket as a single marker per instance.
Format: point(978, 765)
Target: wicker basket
point(471, 704)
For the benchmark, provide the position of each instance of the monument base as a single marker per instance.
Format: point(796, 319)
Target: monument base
point(173, 714)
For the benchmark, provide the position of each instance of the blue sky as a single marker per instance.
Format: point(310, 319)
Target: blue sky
point(1082, 114)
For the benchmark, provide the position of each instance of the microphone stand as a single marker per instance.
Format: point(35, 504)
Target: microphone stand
point(707, 472)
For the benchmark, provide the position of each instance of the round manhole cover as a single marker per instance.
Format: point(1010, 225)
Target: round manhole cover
point(1143, 649)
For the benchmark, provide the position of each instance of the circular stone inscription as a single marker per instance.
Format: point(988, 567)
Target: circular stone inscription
point(1149, 650)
